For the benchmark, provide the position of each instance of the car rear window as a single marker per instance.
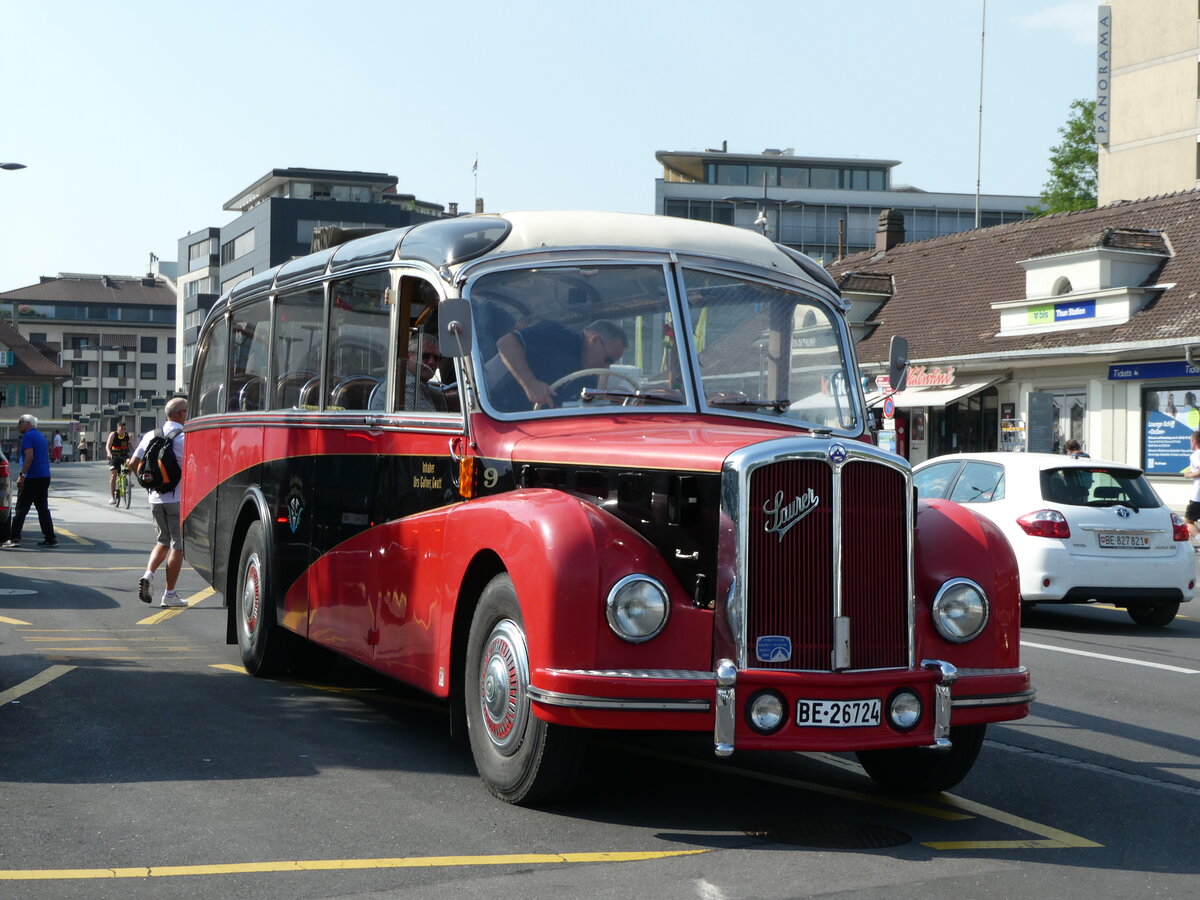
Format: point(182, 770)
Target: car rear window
point(1098, 486)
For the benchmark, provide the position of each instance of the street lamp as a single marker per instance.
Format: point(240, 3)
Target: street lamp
point(12, 167)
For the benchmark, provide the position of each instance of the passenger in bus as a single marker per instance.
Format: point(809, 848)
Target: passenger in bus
point(422, 364)
point(539, 355)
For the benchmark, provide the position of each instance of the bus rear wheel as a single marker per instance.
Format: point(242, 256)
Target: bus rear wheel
point(522, 759)
point(917, 770)
point(263, 644)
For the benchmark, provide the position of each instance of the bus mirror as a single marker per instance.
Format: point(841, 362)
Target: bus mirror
point(454, 327)
point(898, 363)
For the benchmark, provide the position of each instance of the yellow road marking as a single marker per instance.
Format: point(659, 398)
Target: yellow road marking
point(1054, 837)
point(229, 667)
point(40, 680)
point(328, 865)
point(172, 611)
point(8, 568)
point(79, 540)
point(8, 621)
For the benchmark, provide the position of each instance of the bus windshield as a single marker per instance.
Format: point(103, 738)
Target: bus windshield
point(588, 337)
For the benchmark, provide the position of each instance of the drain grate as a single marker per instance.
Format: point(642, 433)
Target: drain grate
point(829, 835)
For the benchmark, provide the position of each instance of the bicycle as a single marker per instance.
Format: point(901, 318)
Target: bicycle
point(123, 491)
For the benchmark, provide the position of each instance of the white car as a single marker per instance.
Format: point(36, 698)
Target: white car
point(1083, 530)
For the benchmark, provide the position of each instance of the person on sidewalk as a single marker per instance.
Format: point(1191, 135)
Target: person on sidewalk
point(33, 484)
point(164, 508)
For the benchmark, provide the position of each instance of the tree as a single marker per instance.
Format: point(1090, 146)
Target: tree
point(1073, 162)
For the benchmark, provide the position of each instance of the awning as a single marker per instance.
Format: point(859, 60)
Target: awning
point(940, 396)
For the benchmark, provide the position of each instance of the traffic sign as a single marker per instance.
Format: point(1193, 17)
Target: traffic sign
point(889, 408)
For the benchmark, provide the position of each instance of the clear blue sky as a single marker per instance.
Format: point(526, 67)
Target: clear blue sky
point(139, 119)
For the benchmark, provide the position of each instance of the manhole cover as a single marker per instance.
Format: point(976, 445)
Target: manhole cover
point(830, 835)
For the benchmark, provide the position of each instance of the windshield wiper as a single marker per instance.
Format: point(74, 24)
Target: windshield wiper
point(586, 395)
point(776, 405)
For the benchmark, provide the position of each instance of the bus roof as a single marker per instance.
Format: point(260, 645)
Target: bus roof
point(452, 242)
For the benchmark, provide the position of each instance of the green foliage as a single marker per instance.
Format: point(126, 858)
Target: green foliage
point(1073, 162)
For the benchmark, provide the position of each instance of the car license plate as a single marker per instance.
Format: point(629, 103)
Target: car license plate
point(837, 713)
point(1117, 541)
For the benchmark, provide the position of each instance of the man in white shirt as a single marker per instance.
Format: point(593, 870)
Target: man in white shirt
point(1192, 513)
point(164, 507)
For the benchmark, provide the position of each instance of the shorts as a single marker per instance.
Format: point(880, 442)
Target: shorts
point(115, 462)
point(1192, 512)
point(166, 524)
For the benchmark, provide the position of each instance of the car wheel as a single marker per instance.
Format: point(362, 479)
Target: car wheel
point(521, 758)
point(919, 770)
point(1155, 616)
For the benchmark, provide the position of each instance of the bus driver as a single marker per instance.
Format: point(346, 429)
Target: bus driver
point(540, 354)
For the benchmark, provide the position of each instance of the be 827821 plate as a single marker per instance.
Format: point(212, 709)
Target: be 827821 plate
point(838, 713)
point(1118, 540)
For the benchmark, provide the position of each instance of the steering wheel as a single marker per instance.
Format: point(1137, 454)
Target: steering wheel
point(583, 373)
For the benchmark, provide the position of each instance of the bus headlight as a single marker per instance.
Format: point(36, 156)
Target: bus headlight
point(960, 610)
point(637, 608)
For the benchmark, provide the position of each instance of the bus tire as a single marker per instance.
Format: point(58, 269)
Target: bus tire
point(522, 759)
point(918, 770)
point(264, 645)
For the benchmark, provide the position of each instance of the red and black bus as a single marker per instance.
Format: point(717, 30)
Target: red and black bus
point(578, 471)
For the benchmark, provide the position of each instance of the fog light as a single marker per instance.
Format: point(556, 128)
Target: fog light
point(904, 710)
point(637, 608)
point(766, 712)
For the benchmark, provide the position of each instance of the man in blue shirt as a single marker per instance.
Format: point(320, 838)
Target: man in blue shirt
point(33, 484)
point(538, 355)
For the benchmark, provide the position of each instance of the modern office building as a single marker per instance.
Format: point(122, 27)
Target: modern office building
point(1147, 84)
point(276, 217)
point(110, 342)
point(824, 207)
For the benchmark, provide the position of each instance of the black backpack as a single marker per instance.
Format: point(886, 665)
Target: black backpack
point(160, 469)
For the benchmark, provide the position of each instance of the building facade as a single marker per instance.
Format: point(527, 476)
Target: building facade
point(824, 207)
point(1079, 325)
point(277, 216)
point(111, 342)
point(1147, 115)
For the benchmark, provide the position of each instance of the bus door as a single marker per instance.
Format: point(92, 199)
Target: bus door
point(347, 448)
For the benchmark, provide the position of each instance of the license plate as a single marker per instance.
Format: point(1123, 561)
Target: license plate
point(1117, 541)
point(837, 713)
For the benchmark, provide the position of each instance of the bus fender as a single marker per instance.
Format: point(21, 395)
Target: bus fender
point(952, 541)
point(564, 554)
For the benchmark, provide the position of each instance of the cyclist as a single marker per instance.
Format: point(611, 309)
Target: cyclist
point(116, 448)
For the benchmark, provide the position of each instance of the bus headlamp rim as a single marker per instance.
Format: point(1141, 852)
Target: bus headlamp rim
point(620, 601)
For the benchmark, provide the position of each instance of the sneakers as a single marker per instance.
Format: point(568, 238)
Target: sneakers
point(172, 598)
point(144, 588)
point(9, 545)
point(53, 543)
point(112, 501)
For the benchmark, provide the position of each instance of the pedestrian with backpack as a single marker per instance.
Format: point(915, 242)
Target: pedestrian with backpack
point(157, 463)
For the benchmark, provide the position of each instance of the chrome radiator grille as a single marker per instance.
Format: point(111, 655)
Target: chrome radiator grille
point(822, 543)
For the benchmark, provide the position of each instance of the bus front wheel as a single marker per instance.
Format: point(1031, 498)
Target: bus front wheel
point(917, 770)
point(263, 644)
point(522, 759)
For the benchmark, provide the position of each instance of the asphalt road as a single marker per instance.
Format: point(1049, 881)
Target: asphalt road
point(137, 759)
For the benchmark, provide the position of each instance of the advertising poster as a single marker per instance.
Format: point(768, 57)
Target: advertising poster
point(1171, 417)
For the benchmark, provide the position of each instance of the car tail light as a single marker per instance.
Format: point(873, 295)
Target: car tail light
point(1048, 523)
point(1179, 529)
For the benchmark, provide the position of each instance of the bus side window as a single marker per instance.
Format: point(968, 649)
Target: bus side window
point(212, 365)
point(249, 357)
point(358, 333)
point(299, 339)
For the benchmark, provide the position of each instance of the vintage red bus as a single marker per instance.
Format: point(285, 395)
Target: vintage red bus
point(576, 471)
